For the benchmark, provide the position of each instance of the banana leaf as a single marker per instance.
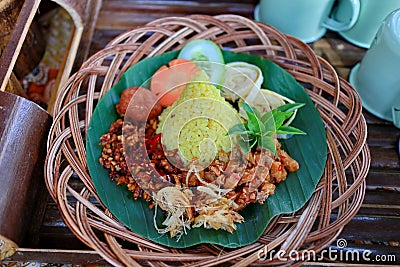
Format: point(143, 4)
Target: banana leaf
point(309, 150)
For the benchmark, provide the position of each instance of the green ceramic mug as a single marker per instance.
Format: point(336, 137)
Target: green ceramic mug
point(306, 20)
point(372, 13)
point(377, 77)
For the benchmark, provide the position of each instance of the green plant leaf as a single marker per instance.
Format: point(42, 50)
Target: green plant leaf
point(254, 124)
point(246, 107)
point(239, 129)
point(250, 109)
point(254, 116)
point(247, 144)
point(280, 117)
point(268, 121)
point(289, 130)
point(267, 142)
point(309, 150)
point(289, 107)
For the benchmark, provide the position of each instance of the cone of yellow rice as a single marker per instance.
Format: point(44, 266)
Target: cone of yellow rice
point(198, 122)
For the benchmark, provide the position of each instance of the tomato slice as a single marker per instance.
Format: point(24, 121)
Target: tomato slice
point(169, 81)
point(208, 57)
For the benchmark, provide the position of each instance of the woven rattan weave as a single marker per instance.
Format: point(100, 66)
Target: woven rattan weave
point(339, 193)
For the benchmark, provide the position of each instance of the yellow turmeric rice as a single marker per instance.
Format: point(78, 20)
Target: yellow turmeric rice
point(198, 122)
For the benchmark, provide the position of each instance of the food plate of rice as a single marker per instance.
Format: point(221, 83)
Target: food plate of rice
point(173, 177)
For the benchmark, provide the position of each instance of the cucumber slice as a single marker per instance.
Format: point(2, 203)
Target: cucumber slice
point(208, 56)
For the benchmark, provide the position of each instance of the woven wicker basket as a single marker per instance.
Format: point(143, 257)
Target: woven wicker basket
point(340, 191)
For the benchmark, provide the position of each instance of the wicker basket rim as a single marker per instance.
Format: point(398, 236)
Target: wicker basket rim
point(336, 100)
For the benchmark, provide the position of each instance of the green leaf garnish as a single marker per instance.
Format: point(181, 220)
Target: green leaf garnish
point(254, 117)
point(267, 142)
point(255, 125)
point(246, 145)
point(289, 130)
point(268, 120)
point(262, 129)
point(239, 129)
point(280, 117)
point(289, 107)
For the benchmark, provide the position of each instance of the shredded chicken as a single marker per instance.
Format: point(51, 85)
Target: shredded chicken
point(176, 204)
point(219, 214)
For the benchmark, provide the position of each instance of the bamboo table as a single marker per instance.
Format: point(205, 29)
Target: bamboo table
point(376, 227)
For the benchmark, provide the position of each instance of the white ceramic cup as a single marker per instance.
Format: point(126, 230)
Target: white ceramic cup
point(307, 20)
point(377, 76)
